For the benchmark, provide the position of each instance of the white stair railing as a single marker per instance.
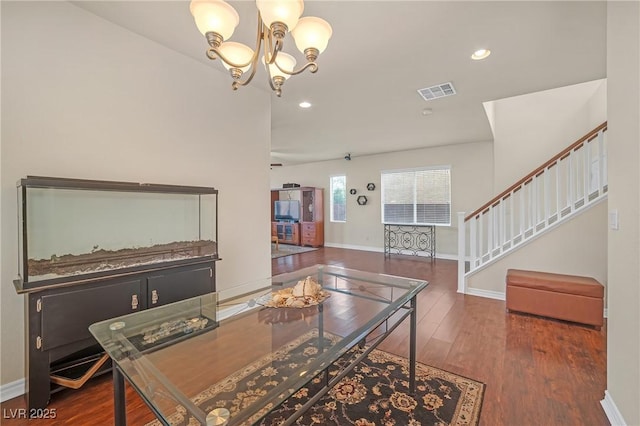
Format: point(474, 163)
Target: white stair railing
point(569, 182)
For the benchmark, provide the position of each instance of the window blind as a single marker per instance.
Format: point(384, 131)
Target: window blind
point(417, 197)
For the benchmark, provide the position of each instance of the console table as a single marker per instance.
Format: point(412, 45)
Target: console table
point(173, 355)
point(413, 240)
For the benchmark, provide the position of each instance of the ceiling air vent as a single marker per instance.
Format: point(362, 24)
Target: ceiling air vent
point(437, 91)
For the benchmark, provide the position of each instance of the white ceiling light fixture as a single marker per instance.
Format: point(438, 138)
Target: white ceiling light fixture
point(304, 104)
point(217, 20)
point(480, 54)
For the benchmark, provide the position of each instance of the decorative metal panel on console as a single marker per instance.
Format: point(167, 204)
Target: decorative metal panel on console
point(413, 240)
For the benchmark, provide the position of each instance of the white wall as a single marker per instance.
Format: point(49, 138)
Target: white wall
point(623, 327)
point(529, 129)
point(576, 247)
point(84, 98)
point(471, 184)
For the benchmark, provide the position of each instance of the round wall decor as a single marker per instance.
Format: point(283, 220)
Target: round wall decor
point(362, 200)
point(371, 186)
point(353, 191)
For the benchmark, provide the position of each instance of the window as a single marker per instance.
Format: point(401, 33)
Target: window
point(338, 201)
point(417, 197)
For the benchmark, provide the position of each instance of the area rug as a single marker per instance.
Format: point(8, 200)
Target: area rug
point(374, 393)
point(287, 250)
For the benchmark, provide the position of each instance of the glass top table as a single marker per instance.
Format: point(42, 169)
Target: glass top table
point(180, 355)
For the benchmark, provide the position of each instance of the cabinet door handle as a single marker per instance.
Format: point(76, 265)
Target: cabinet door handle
point(154, 297)
point(134, 301)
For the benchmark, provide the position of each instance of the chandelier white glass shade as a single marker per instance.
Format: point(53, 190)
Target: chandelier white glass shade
point(286, 12)
point(217, 20)
point(283, 66)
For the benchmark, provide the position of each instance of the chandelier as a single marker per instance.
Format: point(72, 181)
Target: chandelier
point(217, 19)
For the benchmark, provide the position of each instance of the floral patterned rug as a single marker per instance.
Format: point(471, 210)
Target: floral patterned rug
point(374, 393)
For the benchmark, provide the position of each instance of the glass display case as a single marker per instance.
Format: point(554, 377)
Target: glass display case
point(72, 229)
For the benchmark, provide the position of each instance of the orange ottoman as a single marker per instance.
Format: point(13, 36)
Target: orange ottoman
point(564, 297)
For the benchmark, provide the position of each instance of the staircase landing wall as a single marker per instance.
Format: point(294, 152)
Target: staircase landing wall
point(577, 246)
point(529, 129)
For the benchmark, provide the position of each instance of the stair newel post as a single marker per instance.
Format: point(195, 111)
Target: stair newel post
point(586, 179)
point(512, 219)
point(502, 219)
point(480, 238)
point(603, 158)
point(600, 174)
point(490, 232)
point(461, 252)
point(534, 203)
point(546, 193)
point(521, 224)
point(473, 261)
point(572, 185)
point(558, 167)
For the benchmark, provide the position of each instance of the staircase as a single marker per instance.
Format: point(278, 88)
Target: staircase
point(567, 184)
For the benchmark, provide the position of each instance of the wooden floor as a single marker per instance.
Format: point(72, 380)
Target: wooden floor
point(537, 371)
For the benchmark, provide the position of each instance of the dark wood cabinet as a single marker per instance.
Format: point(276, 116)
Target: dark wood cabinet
point(309, 231)
point(171, 287)
point(66, 315)
point(59, 343)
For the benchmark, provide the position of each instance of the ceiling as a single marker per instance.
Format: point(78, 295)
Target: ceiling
point(364, 95)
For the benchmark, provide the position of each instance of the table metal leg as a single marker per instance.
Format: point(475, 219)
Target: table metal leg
point(119, 402)
point(320, 328)
point(412, 346)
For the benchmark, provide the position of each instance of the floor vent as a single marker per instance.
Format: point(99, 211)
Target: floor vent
point(437, 91)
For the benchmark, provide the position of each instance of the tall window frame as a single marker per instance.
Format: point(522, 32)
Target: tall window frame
point(338, 198)
point(418, 196)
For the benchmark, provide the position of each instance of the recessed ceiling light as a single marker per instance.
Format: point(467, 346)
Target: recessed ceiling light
point(427, 111)
point(480, 54)
point(304, 104)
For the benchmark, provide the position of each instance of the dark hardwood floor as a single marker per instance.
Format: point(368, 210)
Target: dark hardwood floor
point(537, 371)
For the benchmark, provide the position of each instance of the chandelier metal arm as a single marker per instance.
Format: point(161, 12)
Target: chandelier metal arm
point(237, 83)
point(271, 50)
point(214, 52)
point(267, 53)
point(254, 59)
point(312, 66)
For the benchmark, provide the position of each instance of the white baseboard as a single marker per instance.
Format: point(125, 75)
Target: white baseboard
point(230, 311)
point(446, 256)
point(381, 250)
point(611, 410)
point(243, 289)
point(354, 247)
point(489, 294)
point(11, 390)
